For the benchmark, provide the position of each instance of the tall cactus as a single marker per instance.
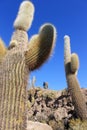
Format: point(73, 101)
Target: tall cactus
point(71, 66)
point(17, 62)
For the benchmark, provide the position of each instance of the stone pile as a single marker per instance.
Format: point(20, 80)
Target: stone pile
point(54, 108)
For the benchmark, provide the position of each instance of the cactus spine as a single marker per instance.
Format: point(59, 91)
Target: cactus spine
point(20, 58)
point(71, 66)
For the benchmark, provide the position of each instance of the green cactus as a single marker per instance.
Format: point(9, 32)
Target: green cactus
point(18, 61)
point(71, 66)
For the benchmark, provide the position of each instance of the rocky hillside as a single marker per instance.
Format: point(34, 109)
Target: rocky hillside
point(54, 108)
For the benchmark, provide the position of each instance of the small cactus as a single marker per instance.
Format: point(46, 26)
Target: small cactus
point(16, 62)
point(71, 66)
point(45, 85)
point(33, 82)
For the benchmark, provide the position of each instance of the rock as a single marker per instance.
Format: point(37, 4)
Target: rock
point(60, 114)
point(37, 126)
point(52, 107)
point(56, 125)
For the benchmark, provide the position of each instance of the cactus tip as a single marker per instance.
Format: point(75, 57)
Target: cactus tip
point(47, 27)
point(25, 16)
point(66, 37)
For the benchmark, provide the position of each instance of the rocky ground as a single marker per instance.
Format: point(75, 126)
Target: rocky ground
point(54, 108)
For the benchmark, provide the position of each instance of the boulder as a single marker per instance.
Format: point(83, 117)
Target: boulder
point(37, 126)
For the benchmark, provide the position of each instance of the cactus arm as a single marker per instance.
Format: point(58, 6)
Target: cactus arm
point(74, 63)
point(40, 47)
point(71, 66)
point(22, 23)
point(3, 50)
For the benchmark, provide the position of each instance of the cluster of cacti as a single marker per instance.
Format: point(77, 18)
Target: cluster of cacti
point(71, 62)
point(15, 64)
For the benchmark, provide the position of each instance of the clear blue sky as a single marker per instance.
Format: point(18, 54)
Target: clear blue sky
point(69, 17)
